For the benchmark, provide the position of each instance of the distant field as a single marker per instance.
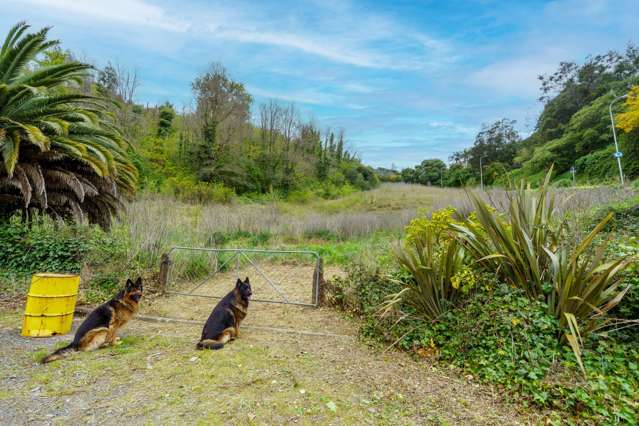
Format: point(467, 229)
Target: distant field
point(338, 228)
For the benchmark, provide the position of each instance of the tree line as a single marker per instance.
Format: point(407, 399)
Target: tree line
point(75, 144)
point(573, 131)
point(218, 147)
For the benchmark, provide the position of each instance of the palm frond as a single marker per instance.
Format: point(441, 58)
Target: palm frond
point(61, 150)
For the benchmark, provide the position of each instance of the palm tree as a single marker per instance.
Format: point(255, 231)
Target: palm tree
point(61, 153)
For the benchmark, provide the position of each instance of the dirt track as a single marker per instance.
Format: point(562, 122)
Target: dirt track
point(265, 377)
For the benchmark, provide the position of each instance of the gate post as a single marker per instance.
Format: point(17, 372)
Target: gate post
point(318, 284)
point(165, 265)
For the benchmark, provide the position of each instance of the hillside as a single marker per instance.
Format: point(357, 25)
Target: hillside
point(574, 127)
point(573, 130)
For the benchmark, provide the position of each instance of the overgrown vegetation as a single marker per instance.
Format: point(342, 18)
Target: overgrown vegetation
point(515, 296)
point(217, 152)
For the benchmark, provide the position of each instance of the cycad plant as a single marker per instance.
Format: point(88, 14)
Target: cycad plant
point(60, 152)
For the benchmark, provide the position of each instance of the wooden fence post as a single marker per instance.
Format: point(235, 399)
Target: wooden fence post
point(165, 265)
point(318, 278)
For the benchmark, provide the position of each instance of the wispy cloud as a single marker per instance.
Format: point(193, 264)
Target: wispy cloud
point(134, 12)
point(309, 96)
point(337, 32)
point(308, 44)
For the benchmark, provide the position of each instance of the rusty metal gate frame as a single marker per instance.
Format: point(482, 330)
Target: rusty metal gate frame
point(240, 253)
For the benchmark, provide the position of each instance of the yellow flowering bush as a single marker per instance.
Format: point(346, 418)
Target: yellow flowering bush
point(464, 280)
point(437, 225)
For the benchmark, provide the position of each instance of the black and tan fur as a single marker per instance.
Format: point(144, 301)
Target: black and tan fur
point(224, 322)
point(100, 327)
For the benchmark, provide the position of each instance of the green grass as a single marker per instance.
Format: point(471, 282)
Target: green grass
point(164, 378)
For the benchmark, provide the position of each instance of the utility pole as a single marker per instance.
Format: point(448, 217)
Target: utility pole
point(441, 177)
point(618, 154)
point(573, 170)
point(481, 173)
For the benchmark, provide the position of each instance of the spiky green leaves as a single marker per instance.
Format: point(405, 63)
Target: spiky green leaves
point(75, 159)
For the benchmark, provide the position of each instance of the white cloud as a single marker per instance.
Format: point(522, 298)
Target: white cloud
point(308, 44)
point(357, 87)
point(132, 12)
point(334, 31)
point(311, 97)
point(518, 76)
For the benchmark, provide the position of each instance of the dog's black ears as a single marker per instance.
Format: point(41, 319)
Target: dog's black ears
point(130, 285)
point(238, 283)
point(246, 281)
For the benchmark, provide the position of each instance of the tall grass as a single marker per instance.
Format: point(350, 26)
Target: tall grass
point(156, 223)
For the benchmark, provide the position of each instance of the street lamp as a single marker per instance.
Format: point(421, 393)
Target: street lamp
point(441, 177)
point(481, 173)
point(618, 153)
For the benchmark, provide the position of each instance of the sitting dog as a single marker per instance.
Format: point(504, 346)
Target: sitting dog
point(224, 322)
point(99, 328)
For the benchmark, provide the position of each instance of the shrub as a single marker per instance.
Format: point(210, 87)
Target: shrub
point(437, 225)
point(625, 216)
point(43, 245)
point(434, 283)
point(436, 264)
point(502, 336)
point(191, 190)
point(46, 245)
point(562, 183)
point(102, 285)
point(526, 248)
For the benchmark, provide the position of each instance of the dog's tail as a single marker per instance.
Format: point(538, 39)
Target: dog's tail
point(59, 354)
point(209, 344)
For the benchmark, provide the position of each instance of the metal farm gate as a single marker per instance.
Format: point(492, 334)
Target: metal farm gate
point(277, 276)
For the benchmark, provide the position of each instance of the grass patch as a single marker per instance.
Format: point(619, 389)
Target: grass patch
point(157, 372)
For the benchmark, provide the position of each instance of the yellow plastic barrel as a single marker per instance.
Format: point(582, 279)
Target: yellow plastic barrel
point(50, 304)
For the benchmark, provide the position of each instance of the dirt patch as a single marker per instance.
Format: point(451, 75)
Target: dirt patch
point(268, 376)
point(276, 282)
point(265, 377)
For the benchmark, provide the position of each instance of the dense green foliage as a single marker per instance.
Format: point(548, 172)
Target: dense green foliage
point(574, 126)
point(45, 245)
point(499, 335)
point(39, 246)
point(215, 152)
point(516, 299)
point(428, 172)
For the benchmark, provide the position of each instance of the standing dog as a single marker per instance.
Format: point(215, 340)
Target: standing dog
point(224, 322)
point(99, 328)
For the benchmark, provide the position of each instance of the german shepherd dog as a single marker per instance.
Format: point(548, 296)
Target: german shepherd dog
point(224, 322)
point(99, 328)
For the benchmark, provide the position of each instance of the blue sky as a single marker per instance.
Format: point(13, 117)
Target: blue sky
point(407, 80)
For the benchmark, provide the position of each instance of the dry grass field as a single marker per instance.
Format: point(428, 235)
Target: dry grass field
point(155, 224)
